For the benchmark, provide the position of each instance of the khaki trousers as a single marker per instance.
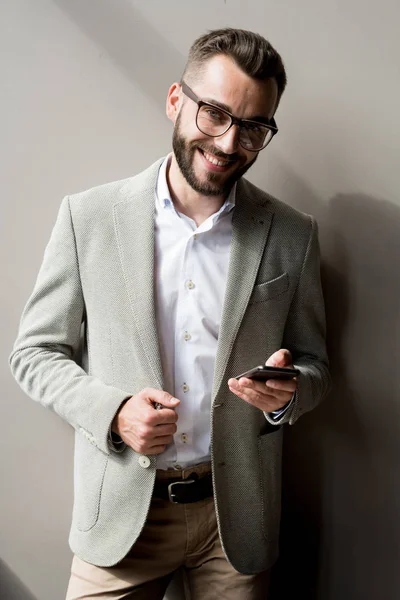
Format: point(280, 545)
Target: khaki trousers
point(174, 536)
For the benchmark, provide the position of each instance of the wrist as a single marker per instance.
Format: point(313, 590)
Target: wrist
point(116, 421)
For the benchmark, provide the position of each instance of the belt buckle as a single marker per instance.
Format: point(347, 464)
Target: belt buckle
point(171, 495)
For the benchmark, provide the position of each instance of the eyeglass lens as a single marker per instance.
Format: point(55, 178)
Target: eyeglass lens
point(214, 122)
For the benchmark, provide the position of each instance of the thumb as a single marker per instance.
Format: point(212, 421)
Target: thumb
point(281, 358)
point(164, 398)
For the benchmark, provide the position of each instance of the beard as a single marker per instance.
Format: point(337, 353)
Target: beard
point(213, 185)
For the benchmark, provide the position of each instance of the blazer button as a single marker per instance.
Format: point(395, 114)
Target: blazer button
point(144, 461)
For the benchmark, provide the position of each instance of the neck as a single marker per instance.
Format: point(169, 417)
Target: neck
point(186, 200)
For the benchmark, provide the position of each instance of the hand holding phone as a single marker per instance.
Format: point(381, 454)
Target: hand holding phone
point(271, 386)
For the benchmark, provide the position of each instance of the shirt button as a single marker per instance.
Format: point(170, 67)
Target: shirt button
point(144, 461)
point(184, 437)
point(195, 236)
point(190, 285)
point(187, 336)
point(185, 387)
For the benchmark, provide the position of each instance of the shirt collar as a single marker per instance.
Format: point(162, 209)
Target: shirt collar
point(163, 195)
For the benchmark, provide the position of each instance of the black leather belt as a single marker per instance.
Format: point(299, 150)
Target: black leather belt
point(184, 491)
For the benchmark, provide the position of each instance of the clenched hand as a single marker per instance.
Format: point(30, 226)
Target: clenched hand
point(142, 427)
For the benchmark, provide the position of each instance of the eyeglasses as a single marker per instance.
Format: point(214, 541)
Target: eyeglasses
point(215, 121)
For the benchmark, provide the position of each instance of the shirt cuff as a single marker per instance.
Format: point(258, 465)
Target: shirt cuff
point(114, 438)
point(275, 415)
point(115, 443)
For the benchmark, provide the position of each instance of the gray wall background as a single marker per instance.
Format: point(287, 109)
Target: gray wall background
point(83, 87)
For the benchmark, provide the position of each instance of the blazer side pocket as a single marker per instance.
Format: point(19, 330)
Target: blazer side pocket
point(270, 289)
point(90, 469)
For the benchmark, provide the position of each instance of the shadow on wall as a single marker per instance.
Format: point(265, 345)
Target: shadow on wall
point(135, 47)
point(340, 474)
point(12, 588)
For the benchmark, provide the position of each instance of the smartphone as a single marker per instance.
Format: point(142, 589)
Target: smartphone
point(262, 373)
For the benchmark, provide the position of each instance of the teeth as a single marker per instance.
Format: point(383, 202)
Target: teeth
point(215, 161)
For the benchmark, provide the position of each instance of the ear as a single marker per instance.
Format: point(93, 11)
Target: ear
point(174, 101)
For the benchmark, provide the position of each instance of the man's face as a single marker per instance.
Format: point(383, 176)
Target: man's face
point(222, 83)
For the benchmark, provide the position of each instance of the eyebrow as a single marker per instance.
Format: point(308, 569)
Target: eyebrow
point(258, 118)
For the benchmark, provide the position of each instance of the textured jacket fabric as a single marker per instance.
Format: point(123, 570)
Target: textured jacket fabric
point(88, 340)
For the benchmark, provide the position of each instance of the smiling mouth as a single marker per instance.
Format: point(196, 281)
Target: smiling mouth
point(218, 162)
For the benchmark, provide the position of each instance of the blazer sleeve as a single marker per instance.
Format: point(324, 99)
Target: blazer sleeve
point(42, 360)
point(305, 335)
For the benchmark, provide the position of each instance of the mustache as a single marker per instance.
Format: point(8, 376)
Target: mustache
point(216, 152)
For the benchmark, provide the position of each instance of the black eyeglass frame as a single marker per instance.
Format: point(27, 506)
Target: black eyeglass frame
point(234, 120)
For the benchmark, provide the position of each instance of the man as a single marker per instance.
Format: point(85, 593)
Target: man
point(167, 286)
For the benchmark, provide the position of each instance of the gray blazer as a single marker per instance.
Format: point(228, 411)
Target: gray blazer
point(88, 340)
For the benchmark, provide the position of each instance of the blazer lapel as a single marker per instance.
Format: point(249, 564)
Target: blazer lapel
point(134, 225)
point(250, 227)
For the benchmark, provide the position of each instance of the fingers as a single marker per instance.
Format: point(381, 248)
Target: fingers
point(145, 441)
point(272, 387)
point(164, 416)
point(241, 390)
point(281, 358)
point(260, 395)
point(281, 385)
point(160, 397)
point(169, 429)
point(152, 445)
point(163, 440)
point(146, 432)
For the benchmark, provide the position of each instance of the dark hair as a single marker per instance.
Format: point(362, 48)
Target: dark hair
point(250, 51)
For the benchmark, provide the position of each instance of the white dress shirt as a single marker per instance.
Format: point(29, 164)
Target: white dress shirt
point(191, 266)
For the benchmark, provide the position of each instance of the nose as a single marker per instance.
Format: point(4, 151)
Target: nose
point(229, 141)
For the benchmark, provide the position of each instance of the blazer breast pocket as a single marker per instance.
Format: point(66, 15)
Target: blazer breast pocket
point(270, 289)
